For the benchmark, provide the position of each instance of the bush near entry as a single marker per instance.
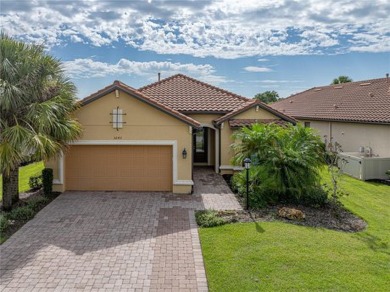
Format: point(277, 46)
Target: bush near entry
point(286, 164)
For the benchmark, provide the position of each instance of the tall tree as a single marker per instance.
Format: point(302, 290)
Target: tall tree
point(36, 105)
point(267, 96)
point(341, 79)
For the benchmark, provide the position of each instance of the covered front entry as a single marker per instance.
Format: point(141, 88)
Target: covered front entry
point(200, 144)
point(119, 168)
point(205, 147)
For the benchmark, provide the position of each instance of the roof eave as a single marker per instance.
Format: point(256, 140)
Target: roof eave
point(117, 86)
point(342, 120)
point(204, 112)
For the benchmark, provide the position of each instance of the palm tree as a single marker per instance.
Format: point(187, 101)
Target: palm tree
point(36, 105)
point(341, 79)
point(288, 159)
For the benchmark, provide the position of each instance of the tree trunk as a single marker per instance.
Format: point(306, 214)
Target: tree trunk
point(10, 189)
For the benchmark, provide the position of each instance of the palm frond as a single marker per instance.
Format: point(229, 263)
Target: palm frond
point(36, 104)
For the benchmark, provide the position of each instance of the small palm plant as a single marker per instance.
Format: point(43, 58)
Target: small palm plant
point(287, 158)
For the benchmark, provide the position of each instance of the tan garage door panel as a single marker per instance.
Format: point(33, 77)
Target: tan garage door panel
point(119, 168)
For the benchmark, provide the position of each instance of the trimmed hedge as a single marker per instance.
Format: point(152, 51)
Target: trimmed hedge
point(47, 181)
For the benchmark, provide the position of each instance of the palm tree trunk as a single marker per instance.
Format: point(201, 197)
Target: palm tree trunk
point(10, 189)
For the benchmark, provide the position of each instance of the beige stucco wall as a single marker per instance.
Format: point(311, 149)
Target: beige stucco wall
point(143, 122)
point(353, 135)
point(205, 119)
point(226, 134)
point(252, 113)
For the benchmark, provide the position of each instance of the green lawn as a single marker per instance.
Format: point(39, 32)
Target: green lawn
point(278, 256)
point(24, 175)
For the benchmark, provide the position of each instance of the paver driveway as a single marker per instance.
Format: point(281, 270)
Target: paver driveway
point(113, 241)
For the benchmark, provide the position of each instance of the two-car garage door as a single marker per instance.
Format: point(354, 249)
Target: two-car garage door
point(118, 168)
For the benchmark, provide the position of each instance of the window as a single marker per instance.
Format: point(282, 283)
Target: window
point(117, 118)
point(307, 124)
point(200, 142)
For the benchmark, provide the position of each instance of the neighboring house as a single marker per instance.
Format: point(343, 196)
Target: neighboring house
point(149, 139)
point(356, 115)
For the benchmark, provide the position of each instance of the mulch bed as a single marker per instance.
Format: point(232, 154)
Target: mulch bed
point(328, 217)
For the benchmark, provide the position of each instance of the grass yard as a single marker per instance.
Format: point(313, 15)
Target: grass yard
point(278, 256)
point(25, 173)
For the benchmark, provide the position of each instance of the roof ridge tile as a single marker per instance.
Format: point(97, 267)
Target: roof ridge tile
point(193, 80)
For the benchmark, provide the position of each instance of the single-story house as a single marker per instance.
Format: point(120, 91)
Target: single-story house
point(149, 139)
point(356, 115)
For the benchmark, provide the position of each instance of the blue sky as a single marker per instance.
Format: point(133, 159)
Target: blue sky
point(243, 46)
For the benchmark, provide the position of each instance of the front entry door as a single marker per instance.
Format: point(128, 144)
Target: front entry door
point(200, 145)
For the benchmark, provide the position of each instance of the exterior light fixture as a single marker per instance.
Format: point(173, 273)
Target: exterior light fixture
point(247, 165)
point(184, 153)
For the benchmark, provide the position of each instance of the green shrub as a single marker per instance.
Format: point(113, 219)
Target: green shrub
point(315, 197)
point(208, 218)
point(35, 182)
point(4, 223)
point(37, 203)
point(261, 189)
point(47, 181)
point(21, 213)
point(287, 160)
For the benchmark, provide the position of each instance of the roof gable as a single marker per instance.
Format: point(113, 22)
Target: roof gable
point(238, 123)
point(362, 101)
point(189, 95)
point(117, 85)
point(250, 104)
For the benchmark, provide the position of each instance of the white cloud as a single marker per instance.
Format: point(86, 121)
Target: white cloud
point(76, 39)
point(257, 69)
point(87, 68)
point(219, 28)
point(262, 60)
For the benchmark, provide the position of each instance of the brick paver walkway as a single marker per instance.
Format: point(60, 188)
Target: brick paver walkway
point(109, 241)
point(213, 190)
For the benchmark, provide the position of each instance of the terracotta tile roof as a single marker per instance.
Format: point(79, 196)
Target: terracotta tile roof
point(252, 103)
point(133, 92)
point(186, 94)
point(362, 101)
point(235, 123)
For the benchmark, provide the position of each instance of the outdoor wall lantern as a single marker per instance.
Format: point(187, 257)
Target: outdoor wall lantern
point(247, 165)
point(184, 153)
